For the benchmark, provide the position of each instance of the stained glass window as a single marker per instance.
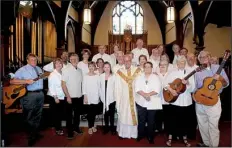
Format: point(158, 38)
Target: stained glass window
point(127, 14)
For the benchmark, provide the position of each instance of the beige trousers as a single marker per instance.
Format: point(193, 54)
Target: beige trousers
point(208, 118)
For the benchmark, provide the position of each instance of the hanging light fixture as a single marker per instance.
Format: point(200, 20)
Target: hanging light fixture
point(87, 13)
point(170, 13)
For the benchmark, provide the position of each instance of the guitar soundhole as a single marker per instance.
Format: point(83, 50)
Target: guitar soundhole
point(211, 87)
point(13, 96)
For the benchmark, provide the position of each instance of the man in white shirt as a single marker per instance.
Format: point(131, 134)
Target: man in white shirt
point(120, 62)
point(191, 61)
point(64, 56)
point(114, 55)
point(71, 84)
point(125, 99)
point(176, 50)
point(102, 54)
point(139, 51)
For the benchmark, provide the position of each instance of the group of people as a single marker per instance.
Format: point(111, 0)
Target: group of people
point(130, 85)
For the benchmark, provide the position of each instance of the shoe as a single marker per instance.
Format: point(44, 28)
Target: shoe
point(70, 136)
point(78, 132)
point(186, 143)
point(39, 136)
point(31, 142)
point(139, 139)
point(169, 142)
point(106, 130)
point(150, 140)
point(94, 129)
point(60, 132)
point(201, 145)
point(90, 131)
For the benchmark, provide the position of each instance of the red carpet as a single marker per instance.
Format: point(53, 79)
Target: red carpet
point(100, 140)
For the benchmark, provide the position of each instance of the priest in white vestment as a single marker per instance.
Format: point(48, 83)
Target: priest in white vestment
point(125, 99)
point(139, 50)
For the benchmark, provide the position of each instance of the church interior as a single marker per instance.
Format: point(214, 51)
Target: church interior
point(47, 28)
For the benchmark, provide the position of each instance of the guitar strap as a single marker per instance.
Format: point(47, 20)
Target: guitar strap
point(36, 70)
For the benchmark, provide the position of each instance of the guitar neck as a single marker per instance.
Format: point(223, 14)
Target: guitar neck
point(190, 74)
point(220, 68)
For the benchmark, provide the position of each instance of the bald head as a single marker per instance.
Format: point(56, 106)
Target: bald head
point(127, 61)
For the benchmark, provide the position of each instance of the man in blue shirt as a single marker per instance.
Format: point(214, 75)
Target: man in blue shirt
point(208, 116)
point(32, 102)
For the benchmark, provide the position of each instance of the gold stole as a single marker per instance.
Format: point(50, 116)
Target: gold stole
point(129, 79)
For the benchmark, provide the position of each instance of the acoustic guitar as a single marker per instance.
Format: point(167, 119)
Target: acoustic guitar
point(178, 86)
point(209, 92)
point(13, 92)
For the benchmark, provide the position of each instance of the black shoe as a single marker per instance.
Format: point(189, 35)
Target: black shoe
point(201, 145)
point(71, 136)
point(78, 132)
point(150, 140)
point(31, 142)
point(139, 139)
point(106, 130)
point(39, 136)
point(120, 138)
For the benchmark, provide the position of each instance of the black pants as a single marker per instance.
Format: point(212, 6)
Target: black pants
point(32, 105)
point(58, 111)
point(192, 122)
point(166, 117)
point(110, 115)
point(92, 112)
point(73, 121)
point(143, 116)
point(178, 122)
point(159, 119)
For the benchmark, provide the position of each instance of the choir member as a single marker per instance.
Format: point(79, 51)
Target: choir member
point(214, 60)
point(191, 61)
point(155, 58)
point(99, 69)
point(71, 84)
point(208, 116)
point(120, 62)
point(83, 65)
point(148, 101)
point(102, 55)
point(107, 84)
point(161, 49)
point(125, 101)
point(114, 55)
point(191, 64)
point(171, 67)
point(139, 50)
point(162, 115)
point(64, 56)
point(179, 110)
point(176, 50)
point(90, 87)
point(184, 51)
point(56, 92)
point(32, 102)
point(142, 61)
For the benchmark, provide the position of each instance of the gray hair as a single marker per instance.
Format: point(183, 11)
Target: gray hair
point(181, 59)
point(203, 52)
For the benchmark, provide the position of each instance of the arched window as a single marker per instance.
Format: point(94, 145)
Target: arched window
point(127, 14)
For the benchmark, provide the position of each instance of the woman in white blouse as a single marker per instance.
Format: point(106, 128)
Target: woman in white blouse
point(100, 63)
point(142, 61)
point(155, 58)
point(147, 88)
point(83, 65)
point(91, 85)
point(107, 80)
point(179, 110)
point(162, 115)
point(55, 90)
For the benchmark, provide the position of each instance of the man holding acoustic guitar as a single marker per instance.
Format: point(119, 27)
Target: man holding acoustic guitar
point(209, 83)
point(32, 102)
